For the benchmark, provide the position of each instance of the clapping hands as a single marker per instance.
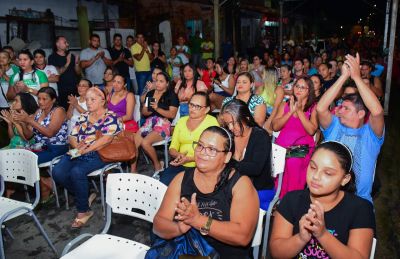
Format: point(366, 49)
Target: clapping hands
point(312, 223)
point(187, 213)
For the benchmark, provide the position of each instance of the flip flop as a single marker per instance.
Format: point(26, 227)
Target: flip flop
point(80, 222)
point(91, 199)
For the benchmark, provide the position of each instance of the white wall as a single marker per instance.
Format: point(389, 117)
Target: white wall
point(63, 8)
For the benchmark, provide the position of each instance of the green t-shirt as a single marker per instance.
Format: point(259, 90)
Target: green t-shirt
point(32, 79)
point(195, 43)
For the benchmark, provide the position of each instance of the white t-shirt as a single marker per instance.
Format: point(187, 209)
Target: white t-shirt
point(185, 49)
point(51, 70)
point(75, 116)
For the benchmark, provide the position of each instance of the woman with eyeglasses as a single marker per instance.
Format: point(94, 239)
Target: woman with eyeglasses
point(187, 130)
point(252, 148)
point(327, 220)
point(214, 199)
point(297, 122)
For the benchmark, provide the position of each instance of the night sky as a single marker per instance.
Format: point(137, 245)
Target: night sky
point(331, 14)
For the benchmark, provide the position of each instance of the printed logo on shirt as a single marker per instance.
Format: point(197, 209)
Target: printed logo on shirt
point(314, 250)
point(210, 208)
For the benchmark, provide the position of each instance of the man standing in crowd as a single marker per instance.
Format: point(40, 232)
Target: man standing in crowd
point(207, 48)
point(183, 50)
point(50, 70)
point(122, 59)
point(195, 46)
point(374, 81)
point(95, 60)
point(141, 57)
point(298, 68)
point(68, 68)
point(364, 140)
point(129, 42)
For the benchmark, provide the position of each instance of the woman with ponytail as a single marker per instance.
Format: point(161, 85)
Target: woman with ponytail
point(326, 220)
point(213, 199)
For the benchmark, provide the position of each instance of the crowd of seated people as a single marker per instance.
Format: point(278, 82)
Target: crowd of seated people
point(224, 160)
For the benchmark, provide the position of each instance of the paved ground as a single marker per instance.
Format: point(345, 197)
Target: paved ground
point(30, 244)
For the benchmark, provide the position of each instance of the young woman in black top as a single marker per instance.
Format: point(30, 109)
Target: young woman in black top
point(160, 107)
point(326, 220)
point(252, 148)
point(212, 198)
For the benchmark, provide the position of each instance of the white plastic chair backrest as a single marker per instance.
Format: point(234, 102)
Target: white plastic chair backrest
point(19, 166)
point(372, 254)
point(275, 135)
point(136, 109)
point(177, 117)
point(278, 156)
point(134, 195)
point(259, 230)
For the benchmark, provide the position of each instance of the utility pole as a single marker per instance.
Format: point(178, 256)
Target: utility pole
point(395, 5)
point(385, 35)
point(216, 28)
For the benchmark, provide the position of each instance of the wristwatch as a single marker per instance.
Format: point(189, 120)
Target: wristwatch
point(30, 90)
point(204, 230)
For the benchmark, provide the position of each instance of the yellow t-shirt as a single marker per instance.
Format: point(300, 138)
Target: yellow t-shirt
point(182, 139)
point(144, 63)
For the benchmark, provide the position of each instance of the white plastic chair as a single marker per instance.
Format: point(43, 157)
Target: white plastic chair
point(373, 247)
point(127, 194)
point(19, 166)
point(136, 109)
point(278, 155)
point(256, 242)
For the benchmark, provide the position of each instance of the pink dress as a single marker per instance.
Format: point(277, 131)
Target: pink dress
point(293, 133)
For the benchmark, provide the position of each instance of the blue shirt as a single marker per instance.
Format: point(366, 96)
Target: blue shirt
point(364, 145)
point(312, 71)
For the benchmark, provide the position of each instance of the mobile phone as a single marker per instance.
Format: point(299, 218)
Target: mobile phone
point(150, 100)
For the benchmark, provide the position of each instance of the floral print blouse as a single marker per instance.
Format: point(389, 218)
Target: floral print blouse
point(84, 130)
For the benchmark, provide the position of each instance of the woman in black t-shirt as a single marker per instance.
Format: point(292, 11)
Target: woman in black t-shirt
point(212, 198)
point(326, 220)
point(160, 107)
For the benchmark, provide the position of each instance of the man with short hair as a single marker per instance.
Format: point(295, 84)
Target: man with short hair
point(122, 58)
point(68, 68)
point(141, 57)
point(374, 81)
point(51, 72)
point(324, 71)
point(183, 50)
point(298, 68)
point(129, 43)
point(364, 140)
point(95, 60)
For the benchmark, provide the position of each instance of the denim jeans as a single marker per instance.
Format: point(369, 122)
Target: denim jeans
point(72, 174)
point(170, 172)
point(141, 78)
point(51, 152)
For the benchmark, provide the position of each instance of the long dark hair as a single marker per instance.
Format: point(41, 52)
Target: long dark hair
point(28, 103)
point(50, 92)
point(345, 158)
point(229, 146)
point(311, 92)
point(167, 79)
point(240, 113)
point(184, 81)
point(30, 56)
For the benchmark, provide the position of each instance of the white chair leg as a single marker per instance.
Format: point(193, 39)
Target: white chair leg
point(102, 194)
point(95, 186)
point(55, 192)
point(9, 232)
point(166, 154)
point(43, 232)
point(2, 255)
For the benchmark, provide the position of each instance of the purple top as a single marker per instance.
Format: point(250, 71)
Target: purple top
point(119, 109)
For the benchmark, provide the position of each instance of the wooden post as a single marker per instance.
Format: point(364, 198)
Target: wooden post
point(216, 29)
point(83, 25)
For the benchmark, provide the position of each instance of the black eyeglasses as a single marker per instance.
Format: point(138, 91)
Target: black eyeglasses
point(209, 151)
point(195, 107)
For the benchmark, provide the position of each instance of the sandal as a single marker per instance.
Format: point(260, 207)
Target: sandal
point(80, 222)
point(91, 199)
point(48, 199)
